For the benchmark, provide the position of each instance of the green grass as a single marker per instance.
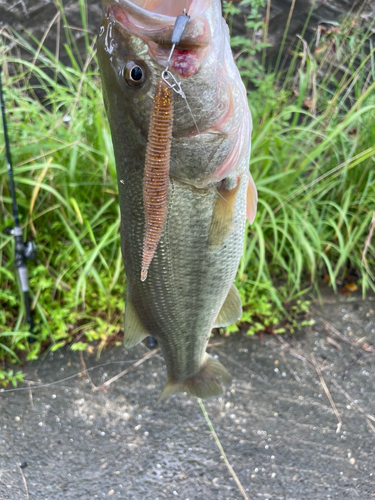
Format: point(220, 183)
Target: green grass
point(312, 161)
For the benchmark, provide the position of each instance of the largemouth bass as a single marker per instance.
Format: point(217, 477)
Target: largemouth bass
point(209, 191)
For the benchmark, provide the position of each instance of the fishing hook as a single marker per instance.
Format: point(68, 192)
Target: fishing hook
point(175, 86)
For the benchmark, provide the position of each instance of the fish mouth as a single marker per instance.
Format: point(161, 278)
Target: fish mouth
point(163, 8)
point(170, 8)
point(153, 20)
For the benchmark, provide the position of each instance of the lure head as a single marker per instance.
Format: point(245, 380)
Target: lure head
point(133, 49)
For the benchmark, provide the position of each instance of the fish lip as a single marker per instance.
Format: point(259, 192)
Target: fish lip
point(158, 28)
point(129, 6)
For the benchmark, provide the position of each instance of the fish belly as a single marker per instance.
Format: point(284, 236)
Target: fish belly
point(189, 278)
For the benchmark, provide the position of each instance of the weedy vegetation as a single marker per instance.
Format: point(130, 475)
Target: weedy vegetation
point(312, 161)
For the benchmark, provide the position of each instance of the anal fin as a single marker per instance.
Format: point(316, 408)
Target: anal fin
point(231, 310)
point(135, 332)
point(208, 382)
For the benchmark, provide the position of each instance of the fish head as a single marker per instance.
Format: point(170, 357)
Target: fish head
point(212, 125)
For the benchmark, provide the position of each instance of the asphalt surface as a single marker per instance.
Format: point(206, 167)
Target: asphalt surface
point(275, 422)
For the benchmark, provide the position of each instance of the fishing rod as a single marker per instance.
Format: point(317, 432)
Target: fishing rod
point(23, 251)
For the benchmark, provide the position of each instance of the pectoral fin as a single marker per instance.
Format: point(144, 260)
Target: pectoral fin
point(222, 216)
point(251, 200)
point(206, 383)
point(135, 332)
point(231, 310)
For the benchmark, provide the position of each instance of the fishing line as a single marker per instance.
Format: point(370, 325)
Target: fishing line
point(56, 382)
point(156, 177)
point(170, 80)
point(183, 95)
point(158, 153)
point(176, 87)
point(221, 449)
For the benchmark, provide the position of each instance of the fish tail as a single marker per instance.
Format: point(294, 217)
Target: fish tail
point(208, 382)
point(156, 176)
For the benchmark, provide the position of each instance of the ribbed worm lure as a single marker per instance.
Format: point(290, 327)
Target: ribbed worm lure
point(156, 176)
point(158, 154)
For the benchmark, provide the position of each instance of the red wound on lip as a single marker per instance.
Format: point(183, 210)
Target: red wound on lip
point(156, 176)
point(185, 62)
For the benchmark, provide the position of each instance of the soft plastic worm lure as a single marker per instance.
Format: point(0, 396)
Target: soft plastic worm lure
point(156, 176)
point(158, 154)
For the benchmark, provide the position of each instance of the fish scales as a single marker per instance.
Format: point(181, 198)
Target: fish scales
point(182, 279)
point(189, 287)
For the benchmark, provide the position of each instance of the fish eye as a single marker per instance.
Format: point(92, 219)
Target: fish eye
point(134, 75)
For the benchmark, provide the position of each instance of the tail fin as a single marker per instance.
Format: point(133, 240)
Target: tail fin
point(206, 383)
